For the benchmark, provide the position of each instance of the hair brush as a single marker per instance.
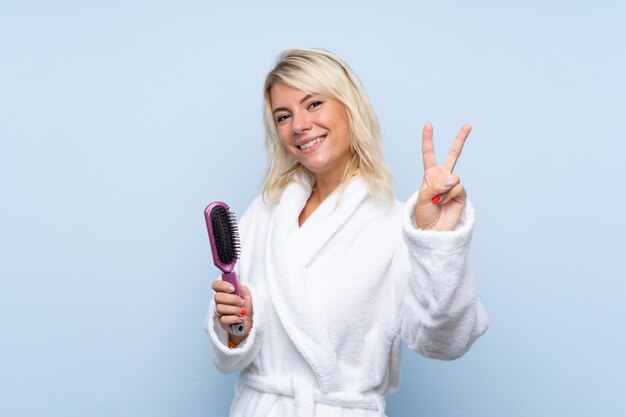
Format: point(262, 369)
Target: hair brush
point(224, 238)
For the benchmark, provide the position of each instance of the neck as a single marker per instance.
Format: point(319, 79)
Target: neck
point(324, 186)
point(323, 189)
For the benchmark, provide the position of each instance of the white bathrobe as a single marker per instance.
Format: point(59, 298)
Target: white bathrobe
point(334, 298)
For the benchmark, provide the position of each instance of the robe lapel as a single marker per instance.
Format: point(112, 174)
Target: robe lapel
point(328, 218)
point(286, 271)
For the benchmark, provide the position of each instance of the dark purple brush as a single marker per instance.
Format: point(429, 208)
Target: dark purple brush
point(224, 238)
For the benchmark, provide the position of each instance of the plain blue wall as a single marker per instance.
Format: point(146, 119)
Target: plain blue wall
point(120, 121)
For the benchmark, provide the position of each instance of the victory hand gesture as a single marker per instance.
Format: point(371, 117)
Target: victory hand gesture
point(441, 197)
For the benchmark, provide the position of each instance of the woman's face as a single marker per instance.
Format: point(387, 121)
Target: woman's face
point(313, 128)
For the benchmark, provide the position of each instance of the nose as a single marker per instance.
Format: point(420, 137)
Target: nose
point(300, 123)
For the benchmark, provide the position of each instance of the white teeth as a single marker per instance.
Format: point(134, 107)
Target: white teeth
point(311, 143)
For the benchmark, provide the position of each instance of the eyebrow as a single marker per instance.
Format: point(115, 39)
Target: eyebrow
point(305, 98)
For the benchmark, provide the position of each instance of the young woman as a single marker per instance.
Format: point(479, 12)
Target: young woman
point(336, 273)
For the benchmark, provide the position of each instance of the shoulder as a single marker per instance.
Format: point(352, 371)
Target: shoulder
point(381, 215)
point(259, 205)
point(259, 210)
point(384, 208)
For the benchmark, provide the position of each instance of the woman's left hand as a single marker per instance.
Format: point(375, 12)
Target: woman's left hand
point(441, 197)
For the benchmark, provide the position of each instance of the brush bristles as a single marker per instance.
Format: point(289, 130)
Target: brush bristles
point(234, 234)
point(225, 234)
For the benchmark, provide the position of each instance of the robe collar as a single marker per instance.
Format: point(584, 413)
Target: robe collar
point(287, 274)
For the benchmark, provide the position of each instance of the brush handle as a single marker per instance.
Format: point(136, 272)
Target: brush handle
point(231, 278)
point(236, 328)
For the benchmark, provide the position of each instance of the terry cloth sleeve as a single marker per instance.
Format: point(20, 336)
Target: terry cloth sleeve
point(440, 313)
point(235, 359)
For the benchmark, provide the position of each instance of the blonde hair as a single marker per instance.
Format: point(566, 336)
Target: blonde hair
point(321, 72)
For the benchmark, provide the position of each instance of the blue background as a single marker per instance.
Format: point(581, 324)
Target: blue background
point(121, 120)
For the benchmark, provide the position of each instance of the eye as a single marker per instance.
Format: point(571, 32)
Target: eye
point(315, 104)
point(282, 118)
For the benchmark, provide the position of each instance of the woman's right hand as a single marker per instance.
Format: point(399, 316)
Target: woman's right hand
point(232, 308)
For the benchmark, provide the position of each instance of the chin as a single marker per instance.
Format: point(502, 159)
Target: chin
point(314, 166)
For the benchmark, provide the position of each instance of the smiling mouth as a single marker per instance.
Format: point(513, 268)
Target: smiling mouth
point(310, 143)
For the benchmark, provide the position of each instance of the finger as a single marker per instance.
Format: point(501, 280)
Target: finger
point(222, 286)
point(457, 147)
point(228, 299)
point(438, 190)
point(226, 321)
point(228, 310)
point(457, 192)
point(428, 150)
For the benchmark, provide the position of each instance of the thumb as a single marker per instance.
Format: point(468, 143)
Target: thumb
point(457, 193)
point(244, 293)
point(446, 188)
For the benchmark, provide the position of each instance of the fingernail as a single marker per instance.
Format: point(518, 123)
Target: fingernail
point(436, 199)
point(241, 303)
point(243, 312)
point(448, 183)
point(230, 288)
